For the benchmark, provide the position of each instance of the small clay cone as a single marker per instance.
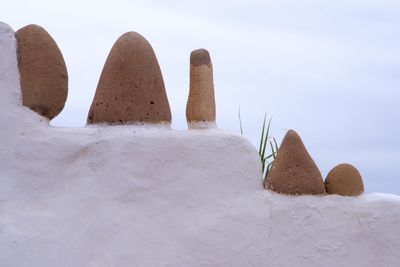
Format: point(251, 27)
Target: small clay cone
point(131, 87)
point(200, 108)
point(293, 171)
point(344, 180)
point(43, 74)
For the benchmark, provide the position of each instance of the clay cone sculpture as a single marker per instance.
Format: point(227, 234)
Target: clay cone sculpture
point(200, 108)
point(293, 171)
point(344, 180)
point(43, 74)
point(131, 87)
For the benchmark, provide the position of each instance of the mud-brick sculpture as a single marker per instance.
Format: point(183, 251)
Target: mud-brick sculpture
point(131, 87)
point(293, 171)
point(344, 180)
point(43, 74)
point(200, 108)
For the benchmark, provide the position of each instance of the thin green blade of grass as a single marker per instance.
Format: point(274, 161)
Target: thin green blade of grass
point(276, 145)
point(272, 149)
point(240, 122)
point(263, 165)
point(269, 166)
point(267, 170)
point(266, 139)
point(265, 161)
point(269, 156)
point(262, 135)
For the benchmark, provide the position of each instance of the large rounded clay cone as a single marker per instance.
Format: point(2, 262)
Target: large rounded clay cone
point(131, 87)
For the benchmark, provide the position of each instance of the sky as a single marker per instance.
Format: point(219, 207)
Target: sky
point(327, 69)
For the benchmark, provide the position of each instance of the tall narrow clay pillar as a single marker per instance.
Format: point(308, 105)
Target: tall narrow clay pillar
point(200, 108)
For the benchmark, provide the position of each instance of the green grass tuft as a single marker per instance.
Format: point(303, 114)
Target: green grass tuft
point(268, 148)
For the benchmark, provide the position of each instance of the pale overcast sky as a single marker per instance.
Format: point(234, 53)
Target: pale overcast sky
point(328, 69)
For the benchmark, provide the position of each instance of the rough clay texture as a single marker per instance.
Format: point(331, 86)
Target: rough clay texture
point(201, 102)
point(131, 87)
point(43, 74)
point(293, 171)
point(149, 196)
point(344, 180)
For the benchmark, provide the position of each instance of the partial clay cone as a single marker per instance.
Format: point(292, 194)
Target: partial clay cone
point(43, 74)
point(131, 87)
point(344, 180)
point(200, 108)
point(293, 171)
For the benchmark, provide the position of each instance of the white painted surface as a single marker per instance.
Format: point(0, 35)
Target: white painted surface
point(151, 196)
